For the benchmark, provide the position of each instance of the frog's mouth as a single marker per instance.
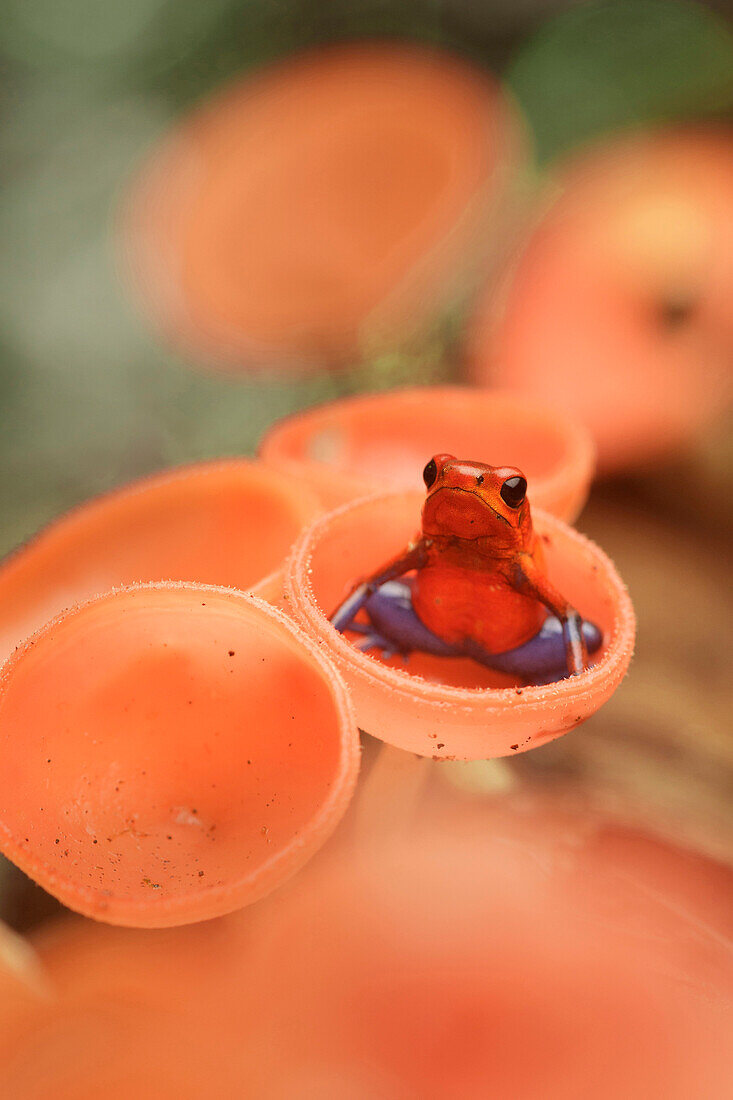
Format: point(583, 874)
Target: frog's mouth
point(465, 518)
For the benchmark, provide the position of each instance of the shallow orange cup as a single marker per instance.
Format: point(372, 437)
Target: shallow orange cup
point(170, 753)
point(454, 708)
point(378, 441)
point(324, 206)
point(228, 522)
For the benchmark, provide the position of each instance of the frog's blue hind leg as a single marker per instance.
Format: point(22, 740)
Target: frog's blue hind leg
point(541, 660)
point(394, 626)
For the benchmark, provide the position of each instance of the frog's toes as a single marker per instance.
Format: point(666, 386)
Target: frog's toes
point(357, 628)
point(592, 636)
point(375, 640)
point(542, 679)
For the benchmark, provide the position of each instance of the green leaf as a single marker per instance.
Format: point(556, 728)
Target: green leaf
point(603, 66)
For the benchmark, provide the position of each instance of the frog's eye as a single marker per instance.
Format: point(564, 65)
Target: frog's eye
point(430, 473)
point(513, 491)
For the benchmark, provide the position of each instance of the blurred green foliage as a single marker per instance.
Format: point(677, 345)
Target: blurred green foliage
point(89, 396)
point(603, 66)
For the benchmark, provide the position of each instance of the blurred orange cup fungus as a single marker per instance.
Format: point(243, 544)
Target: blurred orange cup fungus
point(362, 445)
point(482, 956)
point(228, 523)
point(23, 983)
point(170, 753)
point(441, 707)
point(619, 307)
point(129, 1014)
point(514, 948)
point(324, 206)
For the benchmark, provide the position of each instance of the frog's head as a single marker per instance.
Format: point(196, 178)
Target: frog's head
point(471, 500)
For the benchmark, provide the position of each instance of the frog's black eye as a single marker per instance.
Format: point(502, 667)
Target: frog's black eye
point(430, 473)
point(480, 479)
point(513, 491)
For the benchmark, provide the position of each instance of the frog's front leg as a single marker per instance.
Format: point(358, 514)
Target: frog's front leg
point(531, 580)
point(413, 557)
point(344, 615)
point(392, 624)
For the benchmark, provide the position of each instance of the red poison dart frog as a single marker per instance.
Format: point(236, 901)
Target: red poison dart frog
point(478, 587)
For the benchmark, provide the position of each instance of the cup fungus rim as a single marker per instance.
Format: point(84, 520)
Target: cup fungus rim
point(209, 901)
point(577, 443)
point(611, 668)
point(306, 501)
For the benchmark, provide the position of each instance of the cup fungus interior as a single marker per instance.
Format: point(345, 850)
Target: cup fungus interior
point(354, 178)
point(349, 448)
point(227, 523)
point(170, 753)
point(441, 706)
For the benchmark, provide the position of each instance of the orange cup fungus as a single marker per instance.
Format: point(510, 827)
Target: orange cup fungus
point(169, 753)
point(325, 205)
point(130, 1013)
point(619, 306)
point(531, 944)
point(367, 444)
point(490, 954)
point(454, 708)
point(23, 985)
point(227, 523)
